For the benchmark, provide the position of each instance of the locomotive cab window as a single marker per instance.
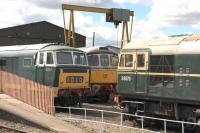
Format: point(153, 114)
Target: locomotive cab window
point(50, 58)
point(79, 58)
point(128, 60)
point(93, 60)
point(64, 58)
point(104, 59)
point(121, 63)
point(113, 60)
point(142, 60)
point(41, 59)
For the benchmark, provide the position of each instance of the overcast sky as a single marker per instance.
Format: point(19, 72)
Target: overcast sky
point(152, 17)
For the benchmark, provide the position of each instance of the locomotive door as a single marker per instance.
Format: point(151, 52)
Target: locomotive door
point(142, 64)
point(40, 69)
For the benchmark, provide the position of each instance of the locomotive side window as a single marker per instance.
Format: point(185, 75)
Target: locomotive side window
point(128, 60)
point(140, 60)
point(50, 58)
point(41, 59)
point(122, 60)
point(27, 62)
point(93, 60)
point(104, 59)
point(2, 62)
point(162, 64)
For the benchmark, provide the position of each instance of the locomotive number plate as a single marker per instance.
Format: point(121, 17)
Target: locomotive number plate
point(74, 79)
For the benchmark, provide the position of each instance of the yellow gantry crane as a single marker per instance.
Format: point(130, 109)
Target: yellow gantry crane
point(115, 15)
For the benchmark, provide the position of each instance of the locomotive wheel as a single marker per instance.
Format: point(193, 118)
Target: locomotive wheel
point(105, 98)
point(197, 129)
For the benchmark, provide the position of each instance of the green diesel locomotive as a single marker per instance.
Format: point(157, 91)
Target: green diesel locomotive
point(160, 77)
point(63, 68)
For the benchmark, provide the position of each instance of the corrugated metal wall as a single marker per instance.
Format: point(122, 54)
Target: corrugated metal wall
point(39, 32)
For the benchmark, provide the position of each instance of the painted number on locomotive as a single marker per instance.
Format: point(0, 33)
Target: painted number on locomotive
point(126, 78)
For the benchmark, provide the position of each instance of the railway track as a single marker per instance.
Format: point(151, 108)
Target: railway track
point(6, 129)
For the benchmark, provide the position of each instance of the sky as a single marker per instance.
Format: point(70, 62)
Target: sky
point(151, 17)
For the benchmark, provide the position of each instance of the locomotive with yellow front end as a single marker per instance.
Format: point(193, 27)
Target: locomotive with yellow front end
point(63, 68)
point(103, 72)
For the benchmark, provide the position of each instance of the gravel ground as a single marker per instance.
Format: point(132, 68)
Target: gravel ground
point(12, 121)
point(93, 127)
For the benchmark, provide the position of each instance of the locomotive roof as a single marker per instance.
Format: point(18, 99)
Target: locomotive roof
point(169, 45)
point(32, 49)
point(97, 49)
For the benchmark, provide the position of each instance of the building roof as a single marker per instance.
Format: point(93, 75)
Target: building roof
point(35, 23)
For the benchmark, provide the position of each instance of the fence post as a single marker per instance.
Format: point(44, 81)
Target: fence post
point(165, 129)
point(121, 123)
point(142, 120)
point(1, 89)
point(101, 121)
point(85, 114)
point(70, 112)
point(182, 127)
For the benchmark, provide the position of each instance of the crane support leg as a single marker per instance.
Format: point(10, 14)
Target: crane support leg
point(125, 31)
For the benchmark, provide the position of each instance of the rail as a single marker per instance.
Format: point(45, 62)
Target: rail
point(121, 126)
point(27, 91)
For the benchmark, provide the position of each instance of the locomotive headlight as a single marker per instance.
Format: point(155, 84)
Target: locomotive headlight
point(74, 79)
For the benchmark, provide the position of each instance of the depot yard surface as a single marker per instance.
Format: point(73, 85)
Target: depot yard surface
point(9, 120)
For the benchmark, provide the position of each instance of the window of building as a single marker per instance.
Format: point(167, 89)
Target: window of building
point(50, 58)
point(41, 59)
point(27, 62)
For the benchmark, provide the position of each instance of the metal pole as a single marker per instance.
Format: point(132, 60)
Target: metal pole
point(93, 39)
point(182, 127)
point(131, 28)
point(122, 39)
point(165, 129)
point(73, 30)
point(65, 34)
